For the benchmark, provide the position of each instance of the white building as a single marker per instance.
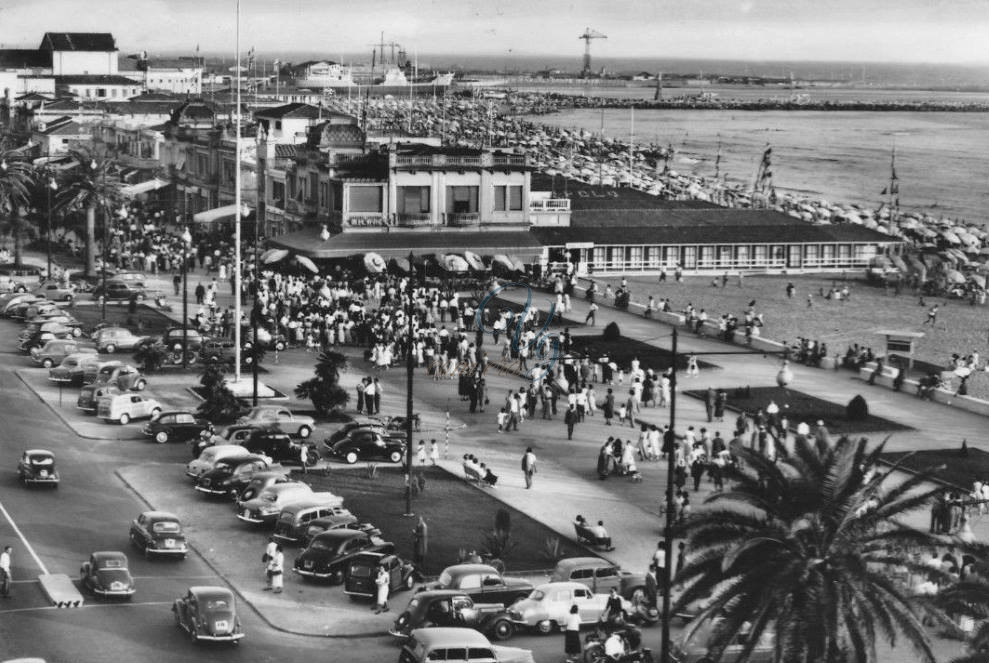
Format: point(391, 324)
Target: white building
point(81, 53)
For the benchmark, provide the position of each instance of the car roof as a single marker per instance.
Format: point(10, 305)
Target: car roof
point(334, 519)
point(317, 500)
point(574, 562)
point(449, 636)
point(39, 452)
point(567, 584)
point(109, 554)
point(340, 534)
point(463, 569)
point(160, 515)
point(211, 591)
point(438, 593)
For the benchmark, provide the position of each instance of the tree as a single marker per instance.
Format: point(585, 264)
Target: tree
point(324, 389)
point(807, 546)
point(971, 599)
point(15, 190)
point(219, 404)
point(85, 189)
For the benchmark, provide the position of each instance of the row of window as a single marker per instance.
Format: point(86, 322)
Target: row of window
point(692, 257)
point(459, 199)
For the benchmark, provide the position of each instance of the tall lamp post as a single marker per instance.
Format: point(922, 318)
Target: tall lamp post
point(409, 365)
point(52, 185)
point(186, 238)
point(255, 318)
point(784, 377)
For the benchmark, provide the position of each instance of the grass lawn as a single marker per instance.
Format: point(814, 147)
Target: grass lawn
point(799, 406)
point(145, 321)
point(959, 470)
point(624, 350)
point(455, 512)
point(960, 327)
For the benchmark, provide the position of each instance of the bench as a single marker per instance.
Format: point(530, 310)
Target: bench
point(471, 474)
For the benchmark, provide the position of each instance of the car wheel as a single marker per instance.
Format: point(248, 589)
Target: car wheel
point(410, 582)
point(76, 332)
point(395, 456)
point(67, 298)
point(337, 577)
point(161, 437)
point(351, 457)
point(279, 346)
point(124, 419)
point(191, 357)
point(47, 363)
point(155, 412)
point(545, 627)
point(110, 348)
point(305, 431)
point(502, 629)
point(141, 385)
point(20, 289)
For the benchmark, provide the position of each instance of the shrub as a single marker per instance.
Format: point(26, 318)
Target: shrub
point(553, 550)
point(503, 521)
point(324, 389)
point(857, 409)
point(219, 404)
point(611, 332)
point(371, 471)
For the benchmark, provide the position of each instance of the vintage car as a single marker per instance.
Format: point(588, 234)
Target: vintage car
point(342, 521)
point(229, 476)
point(369, 444)
point(106, 575)
point(175, 336)
point(175, 426)
point(158, 533)
point(362, 573)
point(600, 576)
point(19, 278)
point(280, 447)
point(457, 645)
point(450, 607)
point(294, 519)
point(72, 370)
point(56, 350)
point(37, 311)
point(263, 509)
point(111, 339)
point(482, 583)
point(208, 458)
point(124, 407)
point(14, 301)
point(261, 480)
point(56, 291)
point(694, 648)
point(351, 426)
point(93, 370)
point(547, 607)
point(55, 332)
point(124, 377)
point(222, 351)
point(281, 419)
point(91, 394)
point(328, 554)
point(121, 290)
point(240, 433)
point(208, 613)
point(37, 467)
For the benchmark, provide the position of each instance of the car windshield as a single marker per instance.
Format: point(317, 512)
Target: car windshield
point(111, 563)
point(166, 527)
point(320, 545)
point(270, 497)
point(537, 595)
point(360, 571)
point(41, 460)
point(218, 604)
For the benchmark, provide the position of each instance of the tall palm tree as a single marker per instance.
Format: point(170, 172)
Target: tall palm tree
point(15, 189)
point(807, 547)
point(85, 189)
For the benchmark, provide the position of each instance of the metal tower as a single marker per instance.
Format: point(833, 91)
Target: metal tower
point(587, 37)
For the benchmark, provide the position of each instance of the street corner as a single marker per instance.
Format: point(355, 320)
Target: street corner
point(295, 611)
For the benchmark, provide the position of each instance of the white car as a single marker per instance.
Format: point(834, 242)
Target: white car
point(547, 607)
point(122, 408)
point(281, 419)
point(210, 455)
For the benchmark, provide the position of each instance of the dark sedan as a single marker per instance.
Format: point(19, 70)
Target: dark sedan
point(280, 447)
point(158, 533)
point(368, 444)
point(121, 290)
point(176, 426)
point(231, 475)
point(483, 583)
point(329, 553)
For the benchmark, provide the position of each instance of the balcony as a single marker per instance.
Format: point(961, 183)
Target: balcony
point(459, 161)
point(413, 220)
point(550, 205)
point(463, 219)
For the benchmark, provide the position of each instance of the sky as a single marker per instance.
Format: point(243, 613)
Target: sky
point(933, 31)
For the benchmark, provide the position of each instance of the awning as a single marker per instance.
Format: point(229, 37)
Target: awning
point(143, 187)
point(216, 214)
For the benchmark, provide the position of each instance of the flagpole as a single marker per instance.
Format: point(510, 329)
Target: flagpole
point(237, 204)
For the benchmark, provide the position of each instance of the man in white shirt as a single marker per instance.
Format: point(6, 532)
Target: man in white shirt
point(5, 577)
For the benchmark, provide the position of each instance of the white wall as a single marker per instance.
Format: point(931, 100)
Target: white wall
point(95, 63)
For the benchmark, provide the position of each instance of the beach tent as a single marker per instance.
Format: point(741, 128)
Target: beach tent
point(273, 256)
point(305, 262)
point(954, 276)
point(451, 262)
point(374, 263)
point(474, 261)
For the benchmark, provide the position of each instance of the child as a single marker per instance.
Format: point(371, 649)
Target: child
point(502, 420)
point(421, 452)
point(434, 452)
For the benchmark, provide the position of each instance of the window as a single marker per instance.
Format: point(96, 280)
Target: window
point(278, 192)
point(413, 199)
point(461, 199)
point(579, 574)
point(456, 654)
point(470, 582)
point(324, 195)
point(313, 191)
point(507, 198)
point(278, 125)
point(606, 572)
point(365, 199)
point(101, 92)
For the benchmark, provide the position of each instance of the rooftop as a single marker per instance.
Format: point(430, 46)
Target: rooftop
point(24, 58)
point(294, 110)
point(95, 79)
point(78, 41)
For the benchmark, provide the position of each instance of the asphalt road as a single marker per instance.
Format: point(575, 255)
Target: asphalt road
point(91, 510)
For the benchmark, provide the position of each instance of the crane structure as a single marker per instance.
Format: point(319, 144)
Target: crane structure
point(587, 37)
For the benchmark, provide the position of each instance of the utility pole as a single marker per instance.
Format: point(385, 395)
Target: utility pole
point(664, 651)
point(409, 365)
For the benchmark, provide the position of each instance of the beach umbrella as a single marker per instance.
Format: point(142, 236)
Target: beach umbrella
point(454, 263)
point(504, 261)
point(517, 264)
point(949, 236)
point(954, 276)
point(303, 261)
point(962, 371)
point(474, 261)
point(374, 262)
point(978, 280)
point(269, 257)
point(402, 264)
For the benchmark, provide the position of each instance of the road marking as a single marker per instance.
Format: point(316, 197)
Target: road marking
point(212, 577)
point(17, 531)
point(89, 605)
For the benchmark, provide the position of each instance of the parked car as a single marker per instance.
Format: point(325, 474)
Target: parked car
point(230, 475)
point(111, 339)
point(369, 444)
point(483, 583)
point(57, 350)
point(341, 521)
point(37, 467)
point(547, 607)
point(261, 480)
point(239, 433)
point(59, 324)
point(124, 407)
point(22, 300)
point(362, 574)
point(19, 278)
point(173, 338)
point(329, 553)
point(281, 419)
point(266, 339)
point(454, 645)
point(694, 649)
point(91, 394)
point(158, 533)
point(121, 290)
point(39, 338)
point(600, 576)
point(281, 448)
point(293, 520)
point(208, 613)
point(106, 574)
point(72, 369)
point(211, 455)
point(263, 508)
point(175, 426)
point(222, 351)
point(125, 377)
point(56, 291)
point(440, 608)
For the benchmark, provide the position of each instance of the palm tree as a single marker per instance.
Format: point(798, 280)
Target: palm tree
point(971, 598)
point(85, 189)
point(324, 389)
point(15, 190)
point(807, 547)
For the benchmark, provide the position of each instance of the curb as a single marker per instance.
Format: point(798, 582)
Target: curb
point(237, 591)
point(60, 416)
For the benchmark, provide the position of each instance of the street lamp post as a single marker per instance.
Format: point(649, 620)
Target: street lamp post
point(254, 320)
point(409, 365)
point(186, 242)
point(51, 186)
